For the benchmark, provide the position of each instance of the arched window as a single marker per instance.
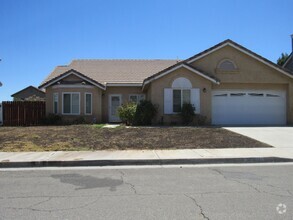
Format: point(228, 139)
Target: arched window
point(181, 93)
point(227, 65)
point(181, 82)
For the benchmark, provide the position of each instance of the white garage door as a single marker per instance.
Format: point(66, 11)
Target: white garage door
point(248, 107)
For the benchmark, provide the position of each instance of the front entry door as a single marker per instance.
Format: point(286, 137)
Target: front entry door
point(114, 104)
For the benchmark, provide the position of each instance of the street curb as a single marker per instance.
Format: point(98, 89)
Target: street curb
point(140, 162)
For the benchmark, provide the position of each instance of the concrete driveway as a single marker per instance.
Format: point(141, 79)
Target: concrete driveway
point(280, 137)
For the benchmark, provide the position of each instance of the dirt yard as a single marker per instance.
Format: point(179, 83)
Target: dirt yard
point(94, 137)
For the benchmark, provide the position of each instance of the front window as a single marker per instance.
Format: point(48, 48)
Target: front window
point(136, 98)
point(71, 103)
point(180, 97)
point(88, 103)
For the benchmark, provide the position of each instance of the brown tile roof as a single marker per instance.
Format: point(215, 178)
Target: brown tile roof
point(138, 71)
point(109, 71)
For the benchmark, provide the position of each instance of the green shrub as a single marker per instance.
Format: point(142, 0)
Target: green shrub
point(127, 113)
point(145, 112)
point(187, 113)
point(52, 119)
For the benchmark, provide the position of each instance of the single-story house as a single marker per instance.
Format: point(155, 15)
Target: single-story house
point(227, 83)
point(29, 93)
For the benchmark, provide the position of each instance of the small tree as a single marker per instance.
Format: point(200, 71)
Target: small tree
point(127, 113)
point(187, 113)
point(145, 113)
point(282, 59)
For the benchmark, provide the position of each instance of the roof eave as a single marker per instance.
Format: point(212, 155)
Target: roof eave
point(242, 49)
point(27, 88)
point(149, 80)
point(67, 73)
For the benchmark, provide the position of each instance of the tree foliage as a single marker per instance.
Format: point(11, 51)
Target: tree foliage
point(282, 59)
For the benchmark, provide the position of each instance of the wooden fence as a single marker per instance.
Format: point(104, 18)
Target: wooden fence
point(23, 113)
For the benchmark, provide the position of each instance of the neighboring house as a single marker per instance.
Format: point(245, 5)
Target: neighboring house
point(227, 83)
point(29, 93)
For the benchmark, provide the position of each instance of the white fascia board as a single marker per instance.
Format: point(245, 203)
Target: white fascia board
point(202, 75)
point(163, 74)
point(207, 53)
point(73, 73)
point(244, 51)
point(124, 84)
point(262, 61)
point(177, 67)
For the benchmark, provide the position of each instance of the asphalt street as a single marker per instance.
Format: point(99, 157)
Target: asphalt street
point(195, 192)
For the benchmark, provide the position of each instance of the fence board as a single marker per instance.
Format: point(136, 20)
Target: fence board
point(24, 113)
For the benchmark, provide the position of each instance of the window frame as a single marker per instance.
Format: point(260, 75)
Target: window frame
point(70, 93)
point(181, 98)
point(57, 103)
point(85, 94)
point(137, 96)
point(223, 70)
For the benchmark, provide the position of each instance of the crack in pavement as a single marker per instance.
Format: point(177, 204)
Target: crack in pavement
point(247, 184)
point(199, 206)
point(277, 187)
point(127, 183)
point(231, 179)
point(47, 200)
point(31, 207)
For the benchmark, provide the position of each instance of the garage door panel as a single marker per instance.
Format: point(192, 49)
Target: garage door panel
point(247, 107)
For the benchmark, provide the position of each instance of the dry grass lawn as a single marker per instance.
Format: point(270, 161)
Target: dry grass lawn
point(93, 137)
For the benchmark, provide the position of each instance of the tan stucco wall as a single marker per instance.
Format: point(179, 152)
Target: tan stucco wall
point(157, 93)
point(250, 70)
point(123, 91)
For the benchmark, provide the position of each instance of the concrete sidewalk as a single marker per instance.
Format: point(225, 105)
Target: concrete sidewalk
point(144, 157)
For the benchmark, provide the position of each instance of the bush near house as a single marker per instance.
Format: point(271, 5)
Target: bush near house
point(187, 113)
point(137, 114)
point(127, 112)
point(145, 113)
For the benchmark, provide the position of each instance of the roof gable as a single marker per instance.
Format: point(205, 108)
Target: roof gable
point(113, 71)
point(242, 49)
point(177, 66)
point(28, 88)
point(68, 73)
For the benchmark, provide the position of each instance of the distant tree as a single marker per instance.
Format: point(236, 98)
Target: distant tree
point(282, 59)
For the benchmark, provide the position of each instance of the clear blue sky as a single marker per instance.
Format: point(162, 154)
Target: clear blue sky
point(37, 35)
